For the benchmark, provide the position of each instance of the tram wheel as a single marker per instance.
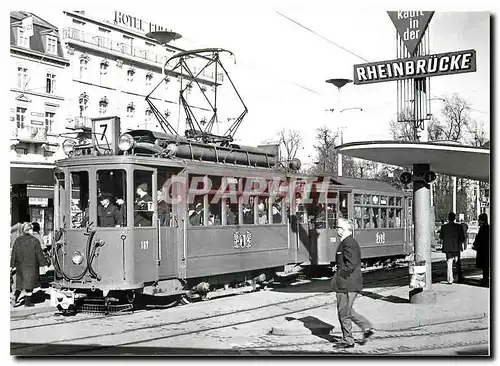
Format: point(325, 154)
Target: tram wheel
point(184, 300)
point(130, 296)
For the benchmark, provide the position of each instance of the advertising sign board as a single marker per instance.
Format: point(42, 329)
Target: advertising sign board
point(416, 67)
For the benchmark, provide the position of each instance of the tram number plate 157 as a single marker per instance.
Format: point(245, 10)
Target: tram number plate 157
point(242, 240)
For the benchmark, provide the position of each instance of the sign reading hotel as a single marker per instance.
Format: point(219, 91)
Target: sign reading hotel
point(136, 23)
point(416, 67)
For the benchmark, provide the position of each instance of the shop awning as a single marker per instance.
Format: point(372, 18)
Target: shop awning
point(35, 174)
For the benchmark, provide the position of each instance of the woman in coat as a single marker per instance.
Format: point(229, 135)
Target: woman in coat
point(26, 258)
point(482, 246)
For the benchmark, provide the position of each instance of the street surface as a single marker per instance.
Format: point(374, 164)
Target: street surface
point(296, 319)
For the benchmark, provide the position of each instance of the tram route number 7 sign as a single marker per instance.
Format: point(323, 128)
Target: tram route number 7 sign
point(105, 132)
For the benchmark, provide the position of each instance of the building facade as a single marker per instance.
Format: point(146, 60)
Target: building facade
point(90, 68)
point(114, 67)
point(37, 115)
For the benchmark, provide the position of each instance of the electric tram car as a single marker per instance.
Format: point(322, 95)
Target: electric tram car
point(153, 214)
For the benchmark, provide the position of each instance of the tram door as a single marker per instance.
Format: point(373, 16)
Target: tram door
point(145, 227)
point(171, 212)
point(304, 250)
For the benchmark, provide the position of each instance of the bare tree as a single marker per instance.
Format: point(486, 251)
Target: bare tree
point(290, 142)
point(326, 153)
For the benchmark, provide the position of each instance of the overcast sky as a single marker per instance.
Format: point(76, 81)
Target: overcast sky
point(281, 67)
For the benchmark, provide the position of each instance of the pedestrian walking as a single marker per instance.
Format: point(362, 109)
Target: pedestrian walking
point(453, 239)
point(482, 246)
point(26, 259)
point(347, 283)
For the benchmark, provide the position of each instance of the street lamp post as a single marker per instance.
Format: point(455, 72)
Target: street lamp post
point(339, 83)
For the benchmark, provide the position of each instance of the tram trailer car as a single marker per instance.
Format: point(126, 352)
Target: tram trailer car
point(204, 238)
point(381, 215)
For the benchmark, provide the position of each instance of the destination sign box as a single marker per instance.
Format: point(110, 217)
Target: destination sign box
point(416, 67)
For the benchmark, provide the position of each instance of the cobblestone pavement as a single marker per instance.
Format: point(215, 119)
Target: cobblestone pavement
point(242, 325)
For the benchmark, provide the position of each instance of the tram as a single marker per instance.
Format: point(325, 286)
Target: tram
point(157, 213)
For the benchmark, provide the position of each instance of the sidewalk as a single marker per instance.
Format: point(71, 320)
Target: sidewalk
point(389, 309)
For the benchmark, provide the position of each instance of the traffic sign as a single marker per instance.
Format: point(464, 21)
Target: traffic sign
point(411, 26)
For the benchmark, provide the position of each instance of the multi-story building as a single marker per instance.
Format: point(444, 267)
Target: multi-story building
point(37, 115)
point(110, 67)
point(114, 67)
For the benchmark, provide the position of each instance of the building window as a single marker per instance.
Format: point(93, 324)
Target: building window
point(20, 117)
point(130, 75)
point(83, 66)
point(22, 39)
point(104, 67)
point(83, 101)
point(51, 83)
point(103, 105)
point(22, 77)
point(49, 120)
point(149, 79)
point(131, 110)
point(51, 45)
point(147, 115)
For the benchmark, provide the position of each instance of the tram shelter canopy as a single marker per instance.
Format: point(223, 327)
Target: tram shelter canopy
point(443, 157)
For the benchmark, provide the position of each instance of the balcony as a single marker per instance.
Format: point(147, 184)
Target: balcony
point(127, 49)
point(30, 134)
point(109, 44)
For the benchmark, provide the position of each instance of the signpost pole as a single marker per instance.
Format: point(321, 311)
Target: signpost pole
point(421, 199)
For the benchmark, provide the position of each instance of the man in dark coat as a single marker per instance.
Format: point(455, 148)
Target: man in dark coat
point(482, 246)
point(453, 239)
point(347, 283)
point(108, 215)
point(26, 258)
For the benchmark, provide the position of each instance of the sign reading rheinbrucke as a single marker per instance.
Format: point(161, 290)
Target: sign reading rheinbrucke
point(416, 67)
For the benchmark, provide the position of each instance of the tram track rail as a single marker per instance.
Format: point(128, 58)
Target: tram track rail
point(204, 323)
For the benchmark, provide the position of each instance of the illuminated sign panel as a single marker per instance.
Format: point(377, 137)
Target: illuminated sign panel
point(417, 67)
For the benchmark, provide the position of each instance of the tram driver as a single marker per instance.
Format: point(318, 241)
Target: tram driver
point(108, 215)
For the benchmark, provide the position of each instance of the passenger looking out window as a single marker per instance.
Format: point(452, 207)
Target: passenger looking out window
point(196, 215)
point(262, 209)
point(143, 206)
point(163, 209)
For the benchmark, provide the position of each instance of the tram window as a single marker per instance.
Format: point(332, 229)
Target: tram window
point(214, 210)
point(383, 200)
point(231, 212)
point(383, 217)
point(262, 211)
point(111, 202)
point(196, 211)
point(277, 212)
point(343, 203)
point(62, 201)
point(357, 199)
point(248, 211)
point(358, 218)
point(391, 201)
point(163, 203)
point(398, 220)
point(367, 199)
point(79, 199)
point(398, 201)
point(143, 204)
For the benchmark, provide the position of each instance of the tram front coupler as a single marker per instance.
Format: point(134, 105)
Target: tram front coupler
point(64, 299)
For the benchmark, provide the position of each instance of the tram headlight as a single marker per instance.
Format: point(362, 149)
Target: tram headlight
point(77, 258)
point(126, 142)
point(68, 147)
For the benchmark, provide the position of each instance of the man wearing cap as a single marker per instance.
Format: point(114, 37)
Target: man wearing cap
point(347, 283)
point(108, 215)
point(142, 214)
